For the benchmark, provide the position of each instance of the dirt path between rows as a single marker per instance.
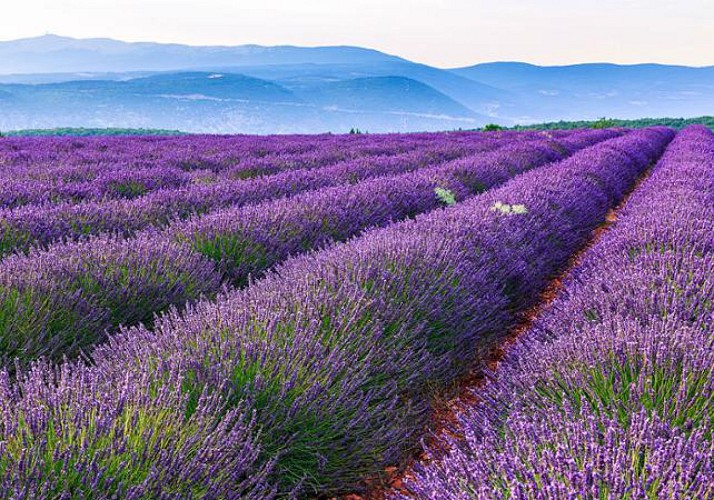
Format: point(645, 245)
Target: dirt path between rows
point(446, 411)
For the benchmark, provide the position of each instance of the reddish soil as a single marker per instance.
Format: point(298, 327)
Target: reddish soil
point(378, 488)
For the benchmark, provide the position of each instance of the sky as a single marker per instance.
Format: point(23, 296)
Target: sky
point(443, 33)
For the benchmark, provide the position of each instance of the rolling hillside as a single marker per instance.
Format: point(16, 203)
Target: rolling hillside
point(217, 102)
point(54, 81)
point(588, 91)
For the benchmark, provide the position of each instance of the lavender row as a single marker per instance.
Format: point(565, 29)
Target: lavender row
point(70, 158)
point(63, 299)
point(105, 180)
point(23, 228)
point(247, 240)
point(318, 373)
point(48, 156)
point(610, 394)
point(39, 225)
point(106, 173)
point(388, 145)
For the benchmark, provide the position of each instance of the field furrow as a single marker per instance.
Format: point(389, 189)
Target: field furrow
point(610, 393)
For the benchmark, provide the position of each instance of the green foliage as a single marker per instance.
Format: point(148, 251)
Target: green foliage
point(610, 388)
point(235, 254)
point(675, 123)
point(131, 189)
point(492, 127)
point(604, 123)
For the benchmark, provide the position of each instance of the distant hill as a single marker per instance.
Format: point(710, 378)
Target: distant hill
point(198, 85)
point(393, 94)
point(481, 98)
point(229, 103)
point(60, 82)
point(588, 91)
point(53, 54)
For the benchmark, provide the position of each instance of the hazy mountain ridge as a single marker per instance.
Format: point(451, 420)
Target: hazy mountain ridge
point(218, 102)
point(56, 81)
point(51, 54)
point(586, 91)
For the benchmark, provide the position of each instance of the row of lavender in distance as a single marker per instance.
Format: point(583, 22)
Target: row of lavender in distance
point(610, 394)
point(63, 299)
point(31, 225)
point(103, 176)
point(247, 240)
point(39, 225)
point(43, 170)
point(320, 372)
point(25, 227)
point(65, 157)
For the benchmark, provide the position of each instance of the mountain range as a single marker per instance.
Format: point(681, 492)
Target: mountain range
point(54, 81)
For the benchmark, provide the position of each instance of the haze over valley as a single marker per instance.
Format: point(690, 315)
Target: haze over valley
point(53, 81)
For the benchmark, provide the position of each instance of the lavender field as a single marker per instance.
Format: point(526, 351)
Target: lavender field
point(230, 317)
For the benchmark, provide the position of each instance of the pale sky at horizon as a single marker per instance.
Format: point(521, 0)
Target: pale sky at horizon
point(443, 33)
